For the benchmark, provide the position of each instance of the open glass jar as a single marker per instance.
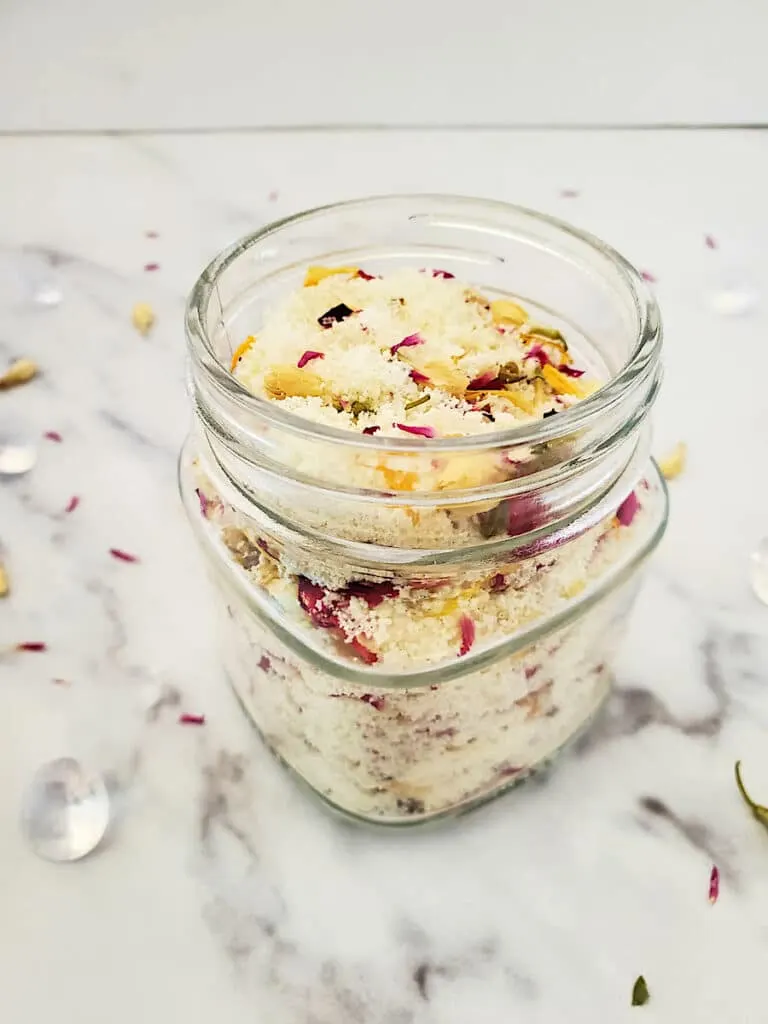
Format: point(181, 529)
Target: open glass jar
point(496, 600)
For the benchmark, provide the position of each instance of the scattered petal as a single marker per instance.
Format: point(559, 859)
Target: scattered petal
point(143, 318)
point(759, 812)
point(570, 371)
point(418, 377)
point(640, 993)
point(53, 435)
point(499, 583)
point(32, 645)
point(648, 276)
point(467, 627)
point(308, 356)
point(443, 273)
point(714, 884)
point(504, 311)
point(186, 719)
point(265, 663)
point(539, 353)
point(409, 342)
point(315, 275)
point(72, 504)
point(123, 556)
point(373, 700)
point(628, 509)
point(569, 193)
point(364, 653)
point(365, 276)
point(673, 463)
point(417, 431)
point(371, 430)
point(335, 315)
point(372, 593)
point(273, 196)
point(19, 372)
point(151, 266)
point(5, 586)
point(240, 351)
point(486, 381)
point(710, 241)
point(312, 599)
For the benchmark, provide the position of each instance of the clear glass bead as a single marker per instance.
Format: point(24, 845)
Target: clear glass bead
point(66, 811)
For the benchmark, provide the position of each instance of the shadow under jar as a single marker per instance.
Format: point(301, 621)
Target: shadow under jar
point(500, 597)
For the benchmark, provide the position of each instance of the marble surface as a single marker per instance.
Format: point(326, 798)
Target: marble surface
point(223, 891)
point(91, 65)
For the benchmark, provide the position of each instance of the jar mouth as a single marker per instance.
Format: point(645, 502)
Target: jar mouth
point(642, 361)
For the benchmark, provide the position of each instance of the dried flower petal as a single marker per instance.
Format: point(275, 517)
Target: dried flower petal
point(418, 377)
point(335, 315)
point(240, 351)
point(504, 311)
point(53, 435)
point(368, 656)
point(539, 353)
point(373, 700)
point(640, 993)
point(714, 884)
point(418, 431)
point(72, 504)
point(499, 583)
point(151, 266)
point(710, 242)
point(122, 556)
point(365, 276)
point(18, 372)
point(265, 663)
point(5, 585)
point(371, 430)
point(372, 593)
point(143, 318)
point(286, 381)
point(315, 275)
point(759, 812)
point(312, 599)
point(443, 273)
point(488, 380)
point(409, 342)
point(570, 371)
point(32, 645)
point(673, 464)
point(308, 356)
point(648, 276)
point(467, 627)
point(561, 384)
point(187, 719)
point(628, 509)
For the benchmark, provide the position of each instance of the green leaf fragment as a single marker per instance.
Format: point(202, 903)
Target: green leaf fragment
point(640, 993)
point(758, 811)
point(417, 402)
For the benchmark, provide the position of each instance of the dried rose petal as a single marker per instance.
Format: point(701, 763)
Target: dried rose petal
point(371, 430)
point(311, 598)
point(123, 556)
point(409, 342)
point(628, 509)
point(373, 700)
point(308, 356)
point(531, 670)
point(143, 318)
point(264, 663)
point(151, 266)
point(467, 627)
point(714, 884)
point(418, 377)
point(499, 583)
point(523, 515)
point(372, 593)
point(648, 276)
point(537, 352)
point(32, 645)
point(335, 315)
point(365, 276)
point(486, 381)
point(443, 273)
point(53, 435)
point(364, 653)
point(187, 719)
point(418, 431)
point(72, 504)
point(710, 241)
point(570, 371)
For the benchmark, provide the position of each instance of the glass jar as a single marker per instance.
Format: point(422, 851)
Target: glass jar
point(496, 571)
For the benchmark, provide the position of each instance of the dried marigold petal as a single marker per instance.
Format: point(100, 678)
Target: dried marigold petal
point(504, 311)
point(399, 479)
point(290, 382)
point(561, 384)
point(240, 351)
point(143, 318)
point(446, 376)
point(673, 463)
point(5, 585)
point(18, 372)
point(315, 275)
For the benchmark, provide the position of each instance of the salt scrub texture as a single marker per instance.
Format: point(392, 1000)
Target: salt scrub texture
point(421, 355)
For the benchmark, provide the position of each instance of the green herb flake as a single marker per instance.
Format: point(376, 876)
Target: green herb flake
point(417, 402)
point(758, 811)
point(640, 993)
point(544, 331)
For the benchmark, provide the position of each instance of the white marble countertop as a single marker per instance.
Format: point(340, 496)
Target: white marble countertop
point(224, 893)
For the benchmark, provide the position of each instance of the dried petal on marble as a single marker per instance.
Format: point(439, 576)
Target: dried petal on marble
point(640, 993)
point(187, 719)
point(710, 241)
point(714, 884)
point(32, 645)
point(648, 276)
point(759, 812)
point(143, 318)
point(5, 586)
point(673, 464)
point(53, 435)
point(19, 372)
point(123, 556)
point(72, 504)
point(151, 266)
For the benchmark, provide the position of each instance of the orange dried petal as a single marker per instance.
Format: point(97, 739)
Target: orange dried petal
point(564, 385)
point(399, 479)
point(315, 275)
point(240, 351)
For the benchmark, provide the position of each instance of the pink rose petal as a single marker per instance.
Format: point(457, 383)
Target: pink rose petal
point(710, 241)
point(187, 719)
point(308, 356)
point(53, 435)
point(570, 371)
point(417, 431)
point(365, 276)
point(443, 273)
point(123, 556)
point(628, 509)
point(32, 645)
point(467, 627)
point(714, 884)
point(648, 276)
point(538, 352)
point(409, 342)
point(418, 377)
point(72, 504)
point(151, 266)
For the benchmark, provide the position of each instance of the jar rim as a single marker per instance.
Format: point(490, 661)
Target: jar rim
point(644, 354)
